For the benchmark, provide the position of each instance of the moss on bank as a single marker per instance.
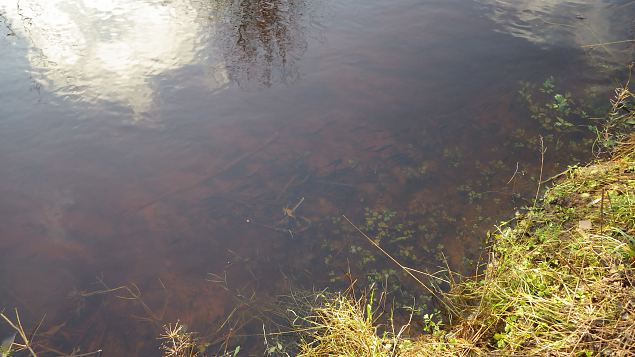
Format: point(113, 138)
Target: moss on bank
point(560, 278)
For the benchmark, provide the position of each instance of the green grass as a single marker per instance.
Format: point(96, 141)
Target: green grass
point(560, 278)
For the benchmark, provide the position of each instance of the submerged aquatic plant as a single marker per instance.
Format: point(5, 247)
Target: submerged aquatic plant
point(558, 279)
point(552, 110)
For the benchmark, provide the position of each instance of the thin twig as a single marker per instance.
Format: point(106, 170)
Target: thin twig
point(514, 175)
point(542, 164)
point(98, 353)
point(407, 270)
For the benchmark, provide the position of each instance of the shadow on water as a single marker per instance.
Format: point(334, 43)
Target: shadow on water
point(201, 154)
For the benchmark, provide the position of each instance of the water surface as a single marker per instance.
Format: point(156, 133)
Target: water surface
point(155, 142)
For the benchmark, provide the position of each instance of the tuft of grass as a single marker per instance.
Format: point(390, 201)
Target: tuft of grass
point(619, 122)
point(560, 280)
point(346, 326)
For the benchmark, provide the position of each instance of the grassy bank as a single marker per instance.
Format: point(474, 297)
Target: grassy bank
point(559, 278)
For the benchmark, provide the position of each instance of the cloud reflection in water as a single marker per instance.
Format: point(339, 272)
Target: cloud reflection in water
point(111, 50)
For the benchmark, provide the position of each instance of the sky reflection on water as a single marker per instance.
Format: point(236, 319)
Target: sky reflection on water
point(111, 51)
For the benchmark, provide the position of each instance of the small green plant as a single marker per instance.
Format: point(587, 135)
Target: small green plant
point(549, 85)
point(554, 111)
point(433, 323)
point(561, 104)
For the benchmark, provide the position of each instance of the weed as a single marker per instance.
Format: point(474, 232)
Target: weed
point(176, 341)
point(556, 112)
point(345, 326)
point(619, 122)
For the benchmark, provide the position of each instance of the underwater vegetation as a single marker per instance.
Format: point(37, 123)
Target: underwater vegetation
point(558, 278)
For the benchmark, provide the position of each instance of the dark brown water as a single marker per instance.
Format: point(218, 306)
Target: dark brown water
point(158, 143)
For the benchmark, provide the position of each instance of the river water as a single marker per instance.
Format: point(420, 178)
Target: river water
point(174, 160)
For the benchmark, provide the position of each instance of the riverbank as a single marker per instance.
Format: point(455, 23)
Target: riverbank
point(559, 278)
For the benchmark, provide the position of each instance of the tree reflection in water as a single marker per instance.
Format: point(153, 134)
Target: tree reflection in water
point(262, 40)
